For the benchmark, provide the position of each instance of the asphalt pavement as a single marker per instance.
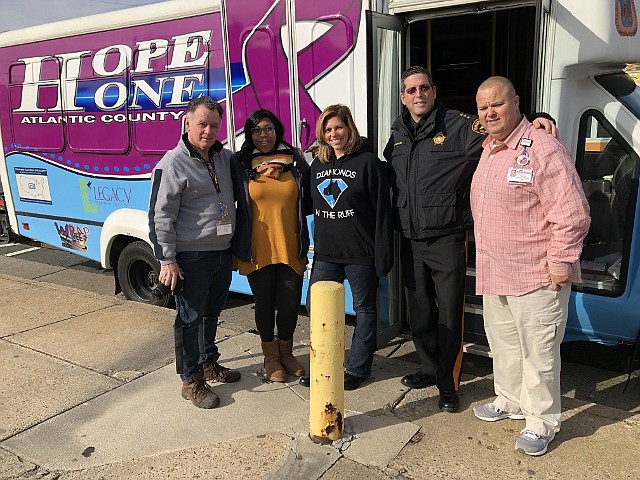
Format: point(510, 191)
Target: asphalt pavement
point(89, 391)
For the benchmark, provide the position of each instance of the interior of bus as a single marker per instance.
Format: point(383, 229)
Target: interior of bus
point(461, 51)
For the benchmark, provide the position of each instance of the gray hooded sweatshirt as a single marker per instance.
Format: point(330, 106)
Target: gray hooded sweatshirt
point(184, 207)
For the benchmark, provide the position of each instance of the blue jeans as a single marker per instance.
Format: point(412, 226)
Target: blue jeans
point(207, 277)
point(364, 289)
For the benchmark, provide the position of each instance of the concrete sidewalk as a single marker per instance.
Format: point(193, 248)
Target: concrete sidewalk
point(89, 391)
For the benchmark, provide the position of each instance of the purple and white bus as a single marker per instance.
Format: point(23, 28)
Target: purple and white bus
point(88, 106)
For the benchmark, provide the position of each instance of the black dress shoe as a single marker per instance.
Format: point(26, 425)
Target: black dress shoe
point(449, 401)
point(418, 380)
point(305, 380)
point(351, 382)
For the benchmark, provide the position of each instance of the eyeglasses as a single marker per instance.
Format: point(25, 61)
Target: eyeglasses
point(423, 88)
point(269, 129)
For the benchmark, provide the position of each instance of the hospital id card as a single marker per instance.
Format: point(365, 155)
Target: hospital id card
point(520, 175)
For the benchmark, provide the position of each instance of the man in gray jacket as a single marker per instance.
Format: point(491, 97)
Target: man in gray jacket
point(192, 219)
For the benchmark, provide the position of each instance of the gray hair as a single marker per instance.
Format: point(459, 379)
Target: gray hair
point(208, 102)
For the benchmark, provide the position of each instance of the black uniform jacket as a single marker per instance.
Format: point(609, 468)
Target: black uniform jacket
point(430, 173)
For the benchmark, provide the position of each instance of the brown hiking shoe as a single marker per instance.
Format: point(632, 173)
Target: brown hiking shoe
point(199, 392)
point(214, 372)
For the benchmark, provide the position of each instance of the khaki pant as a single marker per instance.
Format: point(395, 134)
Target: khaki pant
point(524, 335)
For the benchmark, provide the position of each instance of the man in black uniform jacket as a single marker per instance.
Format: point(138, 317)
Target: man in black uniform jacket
point(432, 153)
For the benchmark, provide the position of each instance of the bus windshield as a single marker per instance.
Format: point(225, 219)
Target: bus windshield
point(622, 86)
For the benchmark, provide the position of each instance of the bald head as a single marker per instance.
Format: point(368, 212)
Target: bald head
point(498, 82)
point(498, 107)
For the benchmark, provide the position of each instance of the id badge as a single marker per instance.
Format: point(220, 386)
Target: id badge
point(223, 228)
point(520, 175)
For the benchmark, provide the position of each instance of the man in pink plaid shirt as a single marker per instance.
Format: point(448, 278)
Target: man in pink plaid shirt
point(530, 218)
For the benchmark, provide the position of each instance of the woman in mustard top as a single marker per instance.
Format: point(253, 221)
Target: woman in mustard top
point(276, 180)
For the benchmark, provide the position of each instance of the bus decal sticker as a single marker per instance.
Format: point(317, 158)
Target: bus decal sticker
point(33, 185)
point(73, 237)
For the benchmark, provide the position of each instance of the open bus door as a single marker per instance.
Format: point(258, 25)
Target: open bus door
point(462, 44)
point(384, 54)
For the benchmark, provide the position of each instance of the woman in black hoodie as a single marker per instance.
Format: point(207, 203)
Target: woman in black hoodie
point(353, 235)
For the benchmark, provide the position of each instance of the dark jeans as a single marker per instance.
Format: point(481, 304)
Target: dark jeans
point(276, 288)
point(364, 289)
point(207, 277)
point(436, 268)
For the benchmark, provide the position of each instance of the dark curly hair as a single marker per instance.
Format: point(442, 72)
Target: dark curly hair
point(252, 121)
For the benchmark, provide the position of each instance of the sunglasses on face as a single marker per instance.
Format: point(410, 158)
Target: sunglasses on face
point(423, 88)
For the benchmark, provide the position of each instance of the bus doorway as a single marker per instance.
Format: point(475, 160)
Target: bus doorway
point(461, 50)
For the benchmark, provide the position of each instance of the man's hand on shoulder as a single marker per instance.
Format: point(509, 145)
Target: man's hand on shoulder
point(548, 125)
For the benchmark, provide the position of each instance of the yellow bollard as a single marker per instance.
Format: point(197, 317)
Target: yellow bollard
point(326, 396)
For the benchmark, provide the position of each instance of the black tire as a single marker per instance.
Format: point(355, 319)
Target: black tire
point(137, 273)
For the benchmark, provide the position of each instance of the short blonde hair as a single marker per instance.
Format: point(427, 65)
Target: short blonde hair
point(325, 151)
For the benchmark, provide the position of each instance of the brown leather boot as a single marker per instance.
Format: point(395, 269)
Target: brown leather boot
point(272, 367)
point(290, 363)
point(214, 372)
point(199, 392)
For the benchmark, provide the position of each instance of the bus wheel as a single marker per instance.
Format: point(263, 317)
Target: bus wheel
point(137, 273)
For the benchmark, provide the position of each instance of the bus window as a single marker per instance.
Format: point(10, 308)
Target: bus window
point(35, 87)
point(107, 106)
point(150, 94)
point(607, 169)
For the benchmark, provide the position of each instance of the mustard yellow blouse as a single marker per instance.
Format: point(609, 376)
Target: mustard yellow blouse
point(275, 233)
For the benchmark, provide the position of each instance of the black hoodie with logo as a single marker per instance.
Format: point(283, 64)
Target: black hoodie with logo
point(352, 210)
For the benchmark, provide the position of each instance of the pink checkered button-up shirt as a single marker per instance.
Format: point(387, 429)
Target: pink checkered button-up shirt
point(525, 231)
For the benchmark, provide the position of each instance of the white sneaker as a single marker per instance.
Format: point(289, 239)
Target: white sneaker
point(531, 443)
point(490, 413)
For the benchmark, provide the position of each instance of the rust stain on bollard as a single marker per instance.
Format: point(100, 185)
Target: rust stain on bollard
point(333, 418)
point(333, 421)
